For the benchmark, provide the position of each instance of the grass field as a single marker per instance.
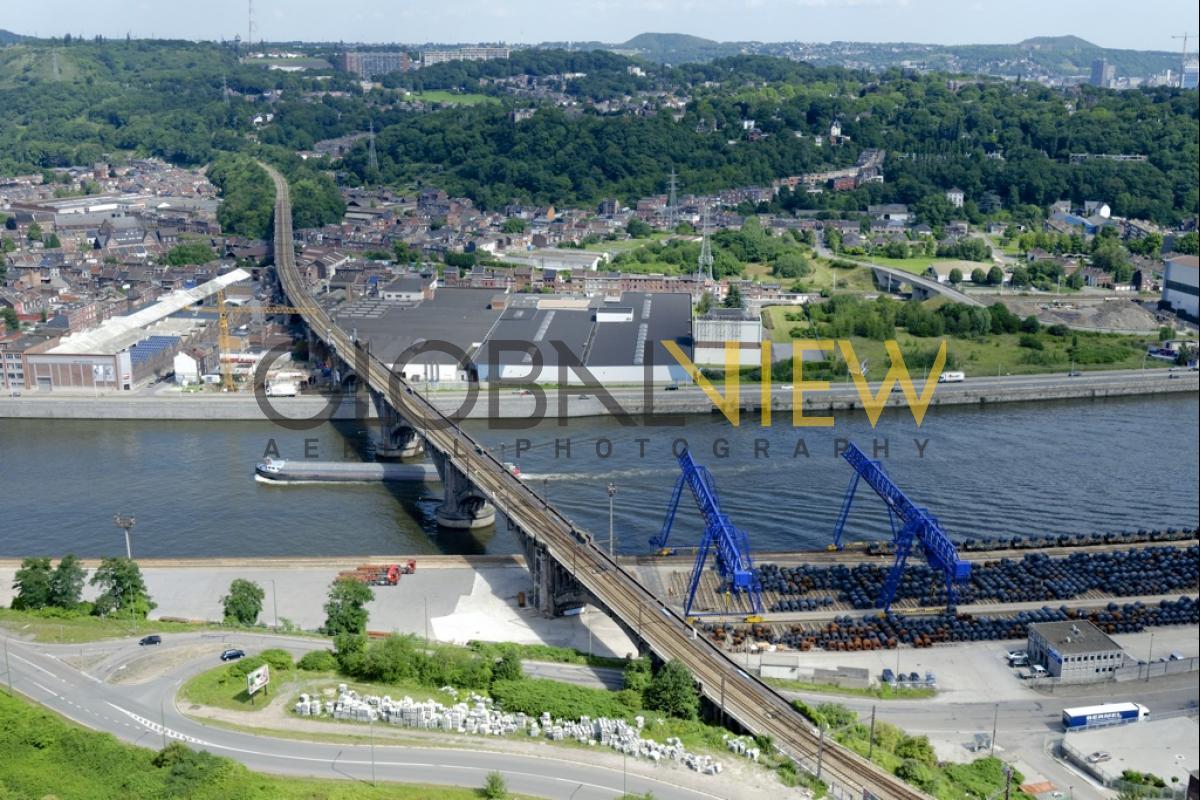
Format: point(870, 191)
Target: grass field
point(70, 630)
point(823, 277)
point(1002, 354)
point(453, 98)
point(42, 755)
point(883, 692)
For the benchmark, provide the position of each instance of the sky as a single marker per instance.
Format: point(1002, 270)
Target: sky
point(1136, 24)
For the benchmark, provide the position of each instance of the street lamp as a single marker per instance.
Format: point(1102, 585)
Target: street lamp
point(274, 604)
point(125, 522)
point(612, 490)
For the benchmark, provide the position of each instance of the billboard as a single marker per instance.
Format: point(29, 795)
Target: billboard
point(258, 679)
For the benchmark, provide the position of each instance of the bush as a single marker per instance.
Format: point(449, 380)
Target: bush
point(318, 661)
point(243, 667)
point(494, 787)
point(278, 659)
point(1031, 341)
point(917, 774)
point(562, 700)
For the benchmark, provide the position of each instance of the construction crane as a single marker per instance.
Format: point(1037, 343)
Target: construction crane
point(733, 562)
point(916, 524)
point(225, 339)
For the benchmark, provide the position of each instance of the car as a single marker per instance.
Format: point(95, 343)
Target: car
point(1175, 657)
point(889, 677)
point(1074, 373)
point(930, 680)
point(674, 387)
point(153, 638)
point(232, 654)
point(1098, 756)
point(914, 678)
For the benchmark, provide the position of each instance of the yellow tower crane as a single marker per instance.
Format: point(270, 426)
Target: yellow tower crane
point(225, 340)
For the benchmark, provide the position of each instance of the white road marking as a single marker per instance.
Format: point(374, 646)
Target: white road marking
point(156, 728)
point(35, 666)
point(44, 689)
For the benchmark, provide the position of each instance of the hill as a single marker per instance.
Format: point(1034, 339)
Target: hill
point(8, 37)
point(677, 48)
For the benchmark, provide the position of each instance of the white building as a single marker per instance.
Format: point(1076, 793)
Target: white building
point(741, 329)
point(187, 369)
point(956, 197)
point(1180, 284)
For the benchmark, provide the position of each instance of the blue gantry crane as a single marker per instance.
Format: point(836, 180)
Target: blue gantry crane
point(733, 562)
point(915, 524)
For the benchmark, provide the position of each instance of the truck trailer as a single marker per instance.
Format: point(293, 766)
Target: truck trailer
point(1075, 719)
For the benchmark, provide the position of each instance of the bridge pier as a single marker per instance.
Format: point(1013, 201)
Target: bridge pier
point(462, 505)
point(397, 438)
point(554, 585)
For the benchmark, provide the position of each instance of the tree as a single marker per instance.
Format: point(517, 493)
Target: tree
point(995, 276)
point(345, 611)
point(734, 298)
point(978, 276)
point(636, 676)
point(956, 276)
point(638, 229)
point(190, 253)
point(790, 264)
point(705, 304)
point(244, 602)
point(673, 692)
point(66, 584)
point(33, 584)
point(122, 588)
point(513, 225)
point(53, 241)
point(1188, 244)
point(34, 233)
point(11, 321)
point(494, 787)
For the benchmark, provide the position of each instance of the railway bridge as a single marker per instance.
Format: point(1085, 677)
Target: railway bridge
point(564, 561)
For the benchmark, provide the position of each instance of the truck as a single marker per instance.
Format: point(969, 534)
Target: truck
point(380, 574)
point(1082, 717)
point(951, 377)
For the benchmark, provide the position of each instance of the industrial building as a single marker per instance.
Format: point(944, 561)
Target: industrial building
point(618, 340)
point(1074, 651)
point(737, 326)
point(124, 353)
point(458, 317)
point(1181, 285)
point(370, 65)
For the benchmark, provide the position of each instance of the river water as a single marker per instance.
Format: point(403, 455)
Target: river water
point(1013, 468)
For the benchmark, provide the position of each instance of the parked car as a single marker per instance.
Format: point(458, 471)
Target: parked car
point(232, 654)
point(914, 678)
point(931, 680)
point(1098, 756)
point(889, 677)
point(153, 638)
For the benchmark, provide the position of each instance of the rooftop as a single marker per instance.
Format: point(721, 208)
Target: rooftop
point(118, 333)
point(1073, 637)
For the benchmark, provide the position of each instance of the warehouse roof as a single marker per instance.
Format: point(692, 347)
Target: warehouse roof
point(459, 316)
point(1074, 637)
point(115, 334)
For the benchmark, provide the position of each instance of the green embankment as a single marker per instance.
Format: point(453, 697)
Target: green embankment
point(43, 756)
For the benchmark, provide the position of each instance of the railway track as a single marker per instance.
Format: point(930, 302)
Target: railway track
point(758, 707)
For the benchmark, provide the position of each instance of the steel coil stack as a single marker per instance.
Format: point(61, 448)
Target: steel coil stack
point(1035, 577)
point(879, 631)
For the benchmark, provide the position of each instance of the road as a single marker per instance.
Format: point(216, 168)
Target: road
point(145, 714)
point(903, 276)
point(758, 707)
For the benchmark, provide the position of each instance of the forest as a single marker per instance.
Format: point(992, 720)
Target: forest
point(1006, 144)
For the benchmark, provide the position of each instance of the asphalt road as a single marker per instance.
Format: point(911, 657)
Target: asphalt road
point(145, 714)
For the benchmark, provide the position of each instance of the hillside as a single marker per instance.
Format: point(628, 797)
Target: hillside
point(676, 48)
point(8, 37)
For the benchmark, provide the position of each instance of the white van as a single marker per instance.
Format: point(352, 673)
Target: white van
point(951, 377)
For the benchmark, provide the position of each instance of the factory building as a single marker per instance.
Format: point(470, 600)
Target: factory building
point(1074, 651)
point(737, 326)
point(124, 353)
point(618, 340)
point(1181, 286)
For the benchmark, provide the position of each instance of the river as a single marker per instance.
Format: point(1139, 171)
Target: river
point(1013, 468)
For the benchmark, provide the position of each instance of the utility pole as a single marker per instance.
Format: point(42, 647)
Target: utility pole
point(274, 604)
point(612, 490)
point(871, 739)
point(1182, 58)
point(371, 732)
point(995, 718)
point(7, 668)
point(125, 522)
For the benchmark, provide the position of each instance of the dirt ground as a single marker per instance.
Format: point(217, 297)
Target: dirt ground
point(1120, 315)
